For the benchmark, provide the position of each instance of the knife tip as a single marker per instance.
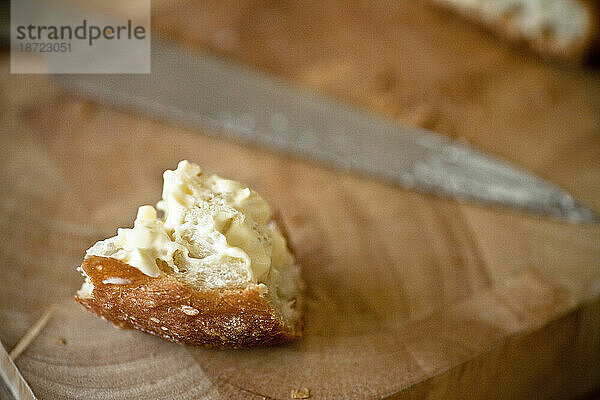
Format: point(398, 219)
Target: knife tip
point(580, 213)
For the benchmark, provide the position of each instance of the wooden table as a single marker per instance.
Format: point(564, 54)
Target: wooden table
point(409, 296)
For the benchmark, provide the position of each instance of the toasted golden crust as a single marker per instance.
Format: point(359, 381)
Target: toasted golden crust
point(176, 311)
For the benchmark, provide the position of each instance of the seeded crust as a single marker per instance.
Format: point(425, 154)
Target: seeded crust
point(544, 45)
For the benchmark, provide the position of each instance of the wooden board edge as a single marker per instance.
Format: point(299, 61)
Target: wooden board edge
point(565, 365)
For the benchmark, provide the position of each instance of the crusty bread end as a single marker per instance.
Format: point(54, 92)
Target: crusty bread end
point(216, 269)
point(176, 311)
point(561, 29)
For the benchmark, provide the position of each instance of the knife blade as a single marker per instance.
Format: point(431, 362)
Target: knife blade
point(208, 92)
point(12, 384)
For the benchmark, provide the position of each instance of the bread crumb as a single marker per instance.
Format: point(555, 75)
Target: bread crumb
point(386, 79)
point(189, 310)
point(153, 319)
point(423, 115)
point(303, 393)
point(61, 340)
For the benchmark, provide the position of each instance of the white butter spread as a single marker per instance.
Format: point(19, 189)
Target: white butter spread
point(216, 230)
point(567, 20)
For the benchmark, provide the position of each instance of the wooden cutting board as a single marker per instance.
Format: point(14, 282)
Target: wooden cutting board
point(409, 296)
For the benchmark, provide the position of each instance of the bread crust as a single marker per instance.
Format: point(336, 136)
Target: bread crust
point(577, 52)
point(169, 308)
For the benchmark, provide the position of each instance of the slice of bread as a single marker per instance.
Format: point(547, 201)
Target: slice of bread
point(215, 270)
point(562, 29)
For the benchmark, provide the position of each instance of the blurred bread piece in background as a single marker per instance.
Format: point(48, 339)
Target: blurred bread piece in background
point(561, 29)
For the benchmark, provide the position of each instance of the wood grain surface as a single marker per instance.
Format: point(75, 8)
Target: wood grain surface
point(409, 296)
